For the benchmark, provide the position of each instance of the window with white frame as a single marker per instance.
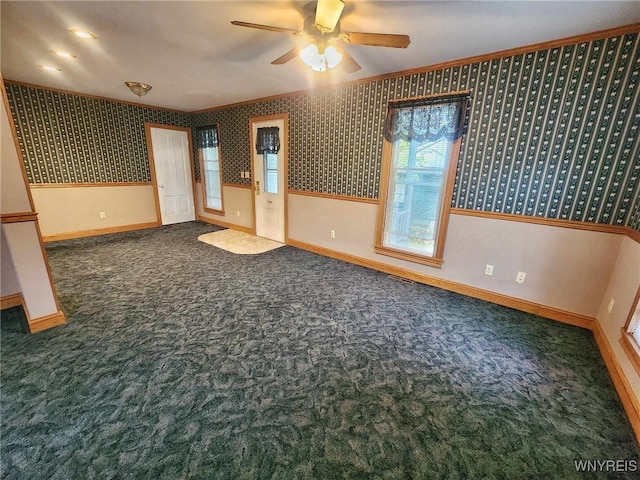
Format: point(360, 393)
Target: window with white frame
point(419, 161)
point(210, 168)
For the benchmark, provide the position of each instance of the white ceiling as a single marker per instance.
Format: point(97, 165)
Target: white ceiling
point(195, 59)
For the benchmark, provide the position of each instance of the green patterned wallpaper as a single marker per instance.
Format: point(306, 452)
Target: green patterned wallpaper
point(552, 133)
point(635, 216)
point(68, 138)
point(335, 138)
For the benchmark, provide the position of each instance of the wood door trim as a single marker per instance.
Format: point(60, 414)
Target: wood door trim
point(152, 165)
point(284, 117)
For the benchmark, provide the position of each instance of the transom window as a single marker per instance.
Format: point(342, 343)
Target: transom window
point(419, 161)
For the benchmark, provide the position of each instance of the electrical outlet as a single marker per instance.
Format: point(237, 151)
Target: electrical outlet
point(612, 302)
point(332, 234)
point(488, 270)
point(103, 215)
point(520, 277)
point(237, 213)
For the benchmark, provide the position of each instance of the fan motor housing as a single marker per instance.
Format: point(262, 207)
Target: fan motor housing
point(313, 31)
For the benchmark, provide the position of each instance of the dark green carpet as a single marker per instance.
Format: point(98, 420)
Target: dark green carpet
point(180, 361)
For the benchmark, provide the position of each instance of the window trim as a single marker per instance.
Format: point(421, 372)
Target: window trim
point(445, 208)
point(630, 344)
point(203, 176)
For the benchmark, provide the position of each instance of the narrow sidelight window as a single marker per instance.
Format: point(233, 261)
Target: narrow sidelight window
point(630, 338)
point(422, 141)
point(210, 168)
point(635, 328)
point(270, 172)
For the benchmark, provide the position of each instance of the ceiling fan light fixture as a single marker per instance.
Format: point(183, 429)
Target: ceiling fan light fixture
point(319, 58)
point(327, 14)
point(140, 89)
point(333, 56)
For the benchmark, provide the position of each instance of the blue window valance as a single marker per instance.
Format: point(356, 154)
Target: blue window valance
point(207, 137)
point(268, 140)
point(430, 118)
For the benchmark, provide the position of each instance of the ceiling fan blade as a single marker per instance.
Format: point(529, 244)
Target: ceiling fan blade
point(287, 57)
point(347, 63)
point(269, 28)
point(376, 39)
point(327, 14)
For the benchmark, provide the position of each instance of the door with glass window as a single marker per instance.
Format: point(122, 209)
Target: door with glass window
point(269, 151)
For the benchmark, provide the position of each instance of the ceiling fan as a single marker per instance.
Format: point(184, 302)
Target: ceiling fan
point(322, 27)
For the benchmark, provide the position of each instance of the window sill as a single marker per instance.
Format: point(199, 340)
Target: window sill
point(632, 349)
point(410, 257)
point(215, 212)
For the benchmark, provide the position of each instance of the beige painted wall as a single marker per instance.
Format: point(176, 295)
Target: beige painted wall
point(566, 269)
point(68, 210)
point(622, 287)
point(31, 268)
point(64, 210)
point(237, 203)
point(9, 283)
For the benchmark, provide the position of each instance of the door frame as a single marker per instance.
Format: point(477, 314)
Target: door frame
point(284, 148)
point(152, 166)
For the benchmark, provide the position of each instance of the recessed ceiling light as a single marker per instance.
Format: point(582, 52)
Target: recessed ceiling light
point(62, 54)
point(79, 32)
point(49, 68)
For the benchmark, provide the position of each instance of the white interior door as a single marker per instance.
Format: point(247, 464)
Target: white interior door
point(269, 184)
point(172, 162)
